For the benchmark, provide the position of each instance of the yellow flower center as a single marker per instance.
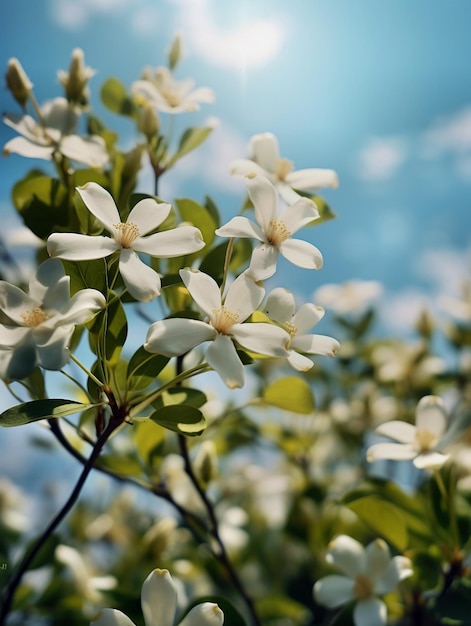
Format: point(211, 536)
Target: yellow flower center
point(283, 168)
point(224, 319)
point(172, 96)
point(290, 329)
point(363, 587)
point(277, 232)
point(127, 233)
point(35, 317)
point(425, 440)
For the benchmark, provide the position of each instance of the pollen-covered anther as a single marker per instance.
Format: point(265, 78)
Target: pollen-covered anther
point(277, 232)
point(283, 168)
point(425, 440)
point(363, 587)
point(127, 233)
point(224, 319)
point(290, 329)
point(34, 317)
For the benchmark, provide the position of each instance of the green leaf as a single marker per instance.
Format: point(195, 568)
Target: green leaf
point(147, 436)
point(180, 418)
point(86, 275)
point(383, 518)
point(196, 214)
point(326, 212)
point(40, 410)
point(115, 97)
point(122, 464)
point(191, 139)
point(108, 332)
point(181, 395)
point(291, 394)
point(143, 368)
point(43, 204)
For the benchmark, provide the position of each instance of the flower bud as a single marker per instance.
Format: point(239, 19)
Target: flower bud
point(148, 120)
point(206, 463)
point(132, 161)
point(18, 82)
point(175, 51)
point(75, 81)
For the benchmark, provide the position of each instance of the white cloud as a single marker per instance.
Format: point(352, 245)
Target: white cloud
point(381, 158)
point(451, 134)
point(400, 311)
point(145, 22)
point(252, 45)
point(446, 268)
point(75, 14)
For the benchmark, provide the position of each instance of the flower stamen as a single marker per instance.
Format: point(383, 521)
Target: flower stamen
point(127, 233)
point(34, 317)
point(363, 587)
point(223, 319)
point(277, 232)
point(283, 168)
point(425, 440)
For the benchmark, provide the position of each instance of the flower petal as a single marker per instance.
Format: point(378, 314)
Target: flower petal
point(175, 336)
point(302, 254)
point(430, 460)
point(431, 415)
point(398, 430)
point(312, 179)
point(264, 198)
point(378, 558)
point(11, 336)
point(262, 338)
point(370, 612)
point(398, 568)
point(307, 317)
point(171, 243)
point(142, 282)
point(204, 614)
point(280, 305)
point(265, 151)
point(27, 126)
point(100, 204)
point(299, 361)
point(222, 356)
point(392, 451)
point(148, 214)
point(15, 303)
point(240, 226)
point(243, 297)
point(316, 344)
point(111, 617)
point(159, 599)
point(244, 167)
point(83, 306)
point(26, 148)
point(76, 247)
point(88, 150)
point(333, 591)
point(20, 361)
point(263, 262)
point(201, 94)
point(52, 346)
point(299, 214)
point(203, 289)
point(347, 554)
point(50, 285)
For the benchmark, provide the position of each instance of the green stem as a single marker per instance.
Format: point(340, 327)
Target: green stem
point(86, 370)
point(227, 260)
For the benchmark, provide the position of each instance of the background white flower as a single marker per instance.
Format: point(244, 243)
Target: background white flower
point(127, 238)
point(175, 336)
point(266, 161)
point(418, 443)
point(41, 322)
point(159, 603)
point(280, 307)
point(273, 231)
point(168, 95)
point(55, 133)
point(367, 573)
point(352, 296)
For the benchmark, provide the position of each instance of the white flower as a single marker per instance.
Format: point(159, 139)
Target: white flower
point(55, 134)
point(367, 573)
point(350, 297)
point(159, 603)
point(419, 442)
point(280, 307)
point(142, 282)
point(175, 336)
point(169, 95)
point(274, 232)
point(266, 161)
point(42, 321)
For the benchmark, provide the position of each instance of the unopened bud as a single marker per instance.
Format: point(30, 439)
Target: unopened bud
point(148, 120)
point(206, 463)
point(175, 51)
point(75, 81)
point(132, 161)
point(425, 324)
point(18, 82)
point(159, 537)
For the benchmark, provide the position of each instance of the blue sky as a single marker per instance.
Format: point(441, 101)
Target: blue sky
point(379, 90)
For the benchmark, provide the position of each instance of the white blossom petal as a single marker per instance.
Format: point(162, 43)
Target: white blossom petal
point(171, 243)
point(347, 554)
point(370, 612)
point(201, 94)
point(312, 179)
point(76, 247)
point(299, 361)
point(307, 317)
point(111, 617)
point(265, 151)
point(203, 289)
point(26, 148)
point(14, 302)
point(280, 305)
point(243, 297)
point(393, 451)
point(399, 567)
point(378, 558)
point(244, 167)
point(333, 591)
point(11, 336)
point(175, 336)
point(262, 338)
point(19, 362)
point(240, 226)
point(263, 262)
point(148, 214)
point(100, 204)
point(52, 346)
point(316, 344)
point(50, 285)
point(430, 460)
point(431, 415)
point(88, 150)
point(399, 430)
point(264, 199)
point(299, 214)
point(301, 253)
point(141, 281)
point(83, 306)
point(204, 614)
point(159, 599)
point(222, 356)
